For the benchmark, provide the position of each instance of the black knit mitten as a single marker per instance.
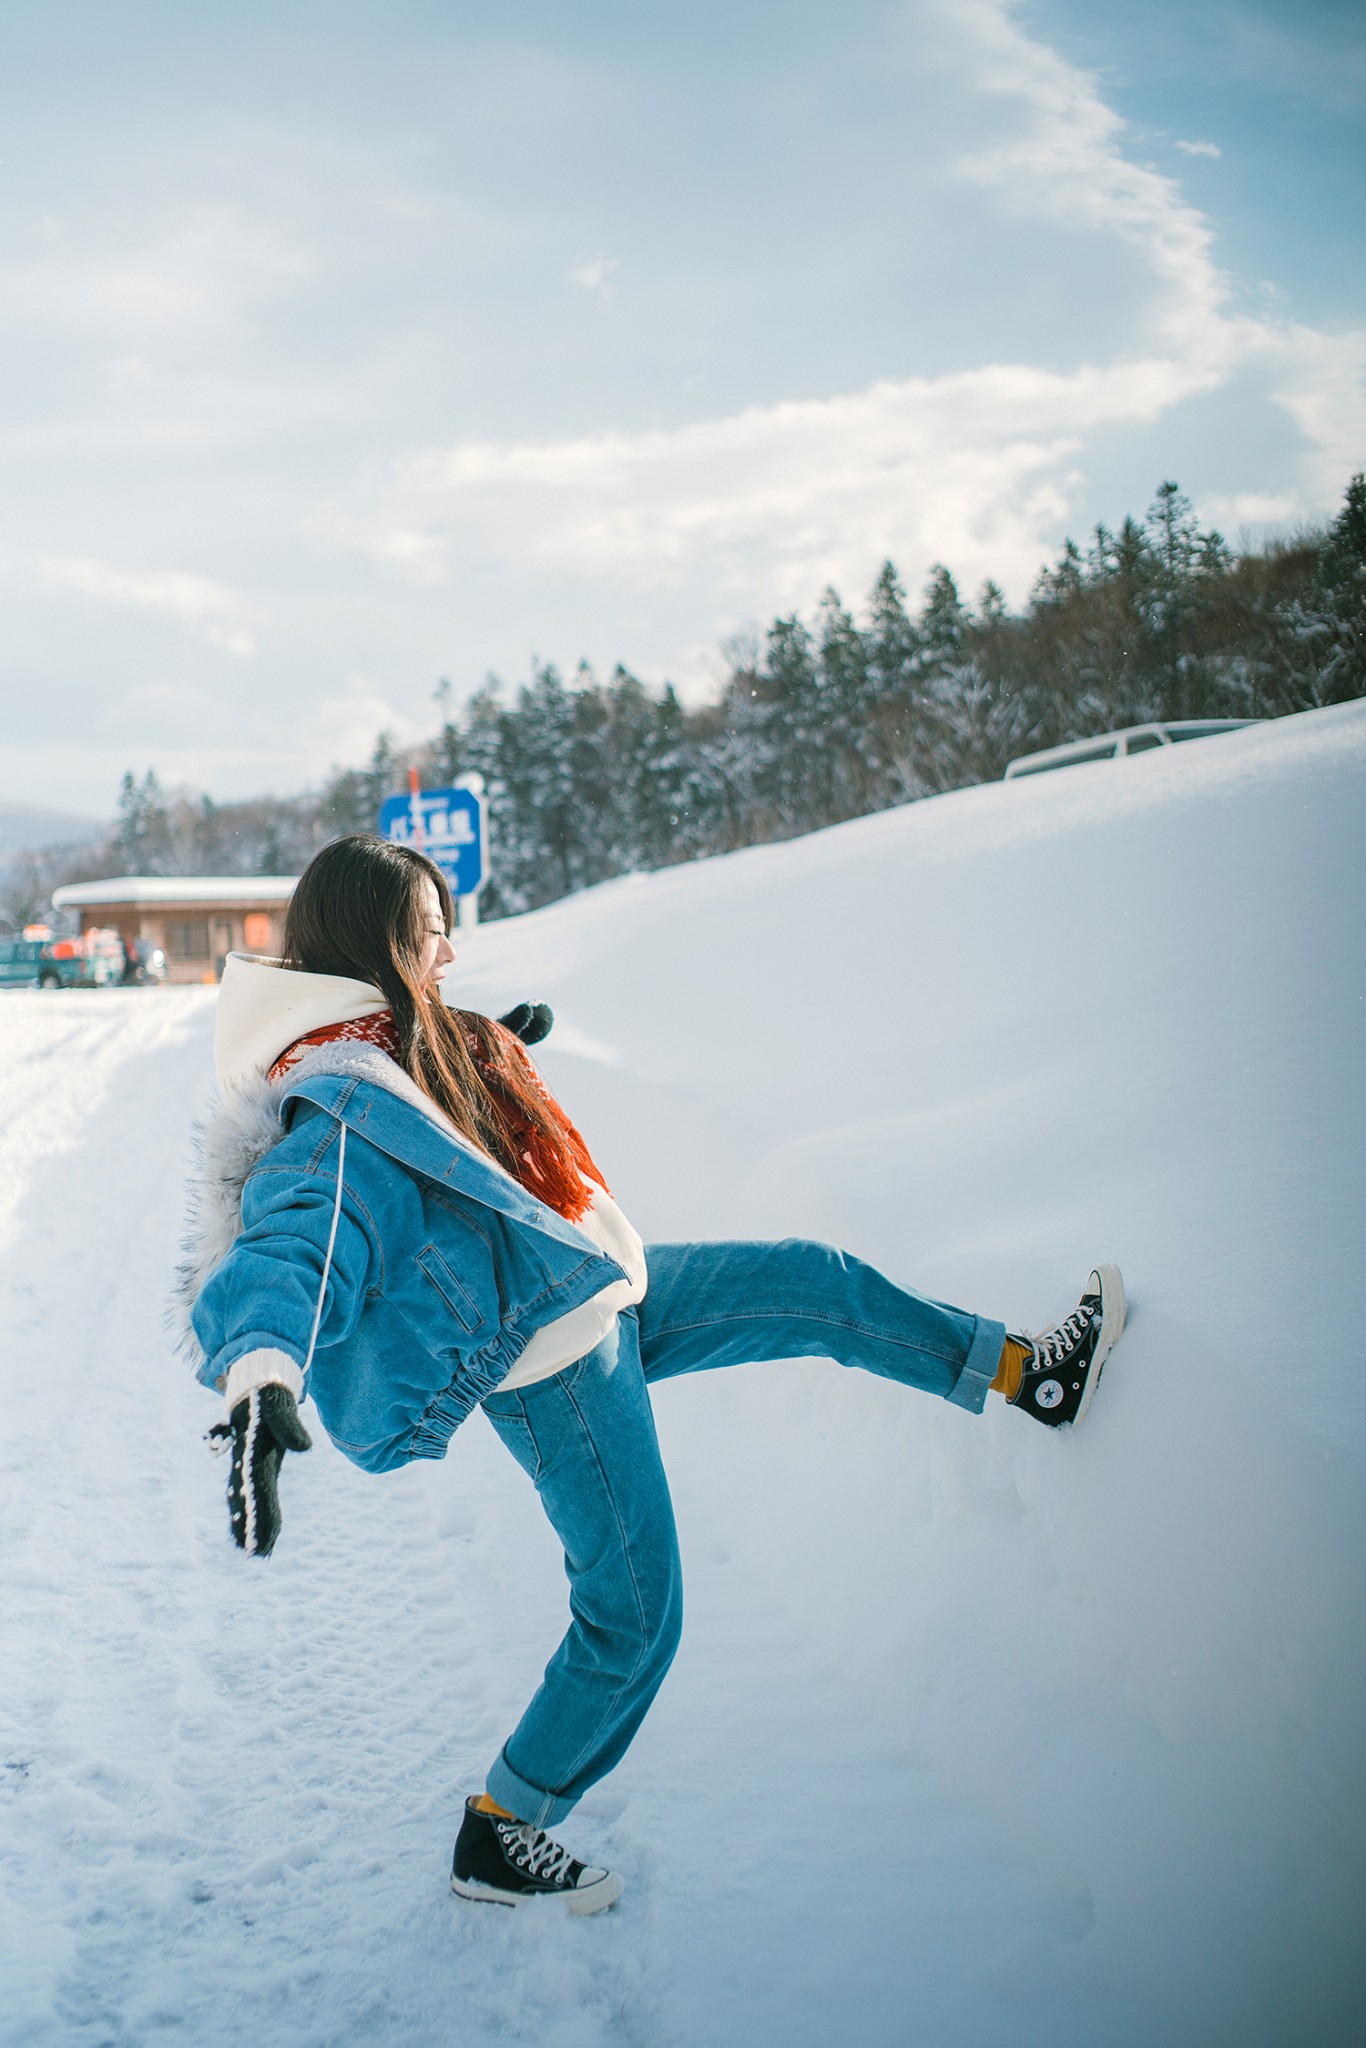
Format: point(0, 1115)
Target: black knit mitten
point(530, 1022)
point(260, 1429)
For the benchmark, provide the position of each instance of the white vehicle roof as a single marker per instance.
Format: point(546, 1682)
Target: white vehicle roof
point(206, 889)
point(1107, 746)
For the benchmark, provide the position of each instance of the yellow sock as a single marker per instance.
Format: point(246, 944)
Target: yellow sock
point(1014, 1357)
point(483, 1804)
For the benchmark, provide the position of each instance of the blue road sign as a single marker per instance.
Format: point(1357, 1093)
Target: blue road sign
point(445, 824)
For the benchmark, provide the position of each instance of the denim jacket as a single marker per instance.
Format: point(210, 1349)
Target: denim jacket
point(441, 1265)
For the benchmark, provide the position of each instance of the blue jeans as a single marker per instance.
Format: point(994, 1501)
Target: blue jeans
point(587, 1438)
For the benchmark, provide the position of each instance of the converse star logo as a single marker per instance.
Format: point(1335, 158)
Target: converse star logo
point(1049, 1394)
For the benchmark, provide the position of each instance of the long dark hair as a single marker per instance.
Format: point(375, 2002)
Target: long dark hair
point(360, 910)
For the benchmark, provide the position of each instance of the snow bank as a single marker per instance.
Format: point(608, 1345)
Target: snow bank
point(977, 1735)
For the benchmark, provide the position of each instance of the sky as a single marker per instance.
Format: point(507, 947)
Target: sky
point(345, 348)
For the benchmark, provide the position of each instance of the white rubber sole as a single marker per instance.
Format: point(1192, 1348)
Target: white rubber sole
point(588, 1898)
point(1113, 1310)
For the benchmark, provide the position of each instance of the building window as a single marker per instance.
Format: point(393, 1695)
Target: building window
point(189, 941)
point(256, 932)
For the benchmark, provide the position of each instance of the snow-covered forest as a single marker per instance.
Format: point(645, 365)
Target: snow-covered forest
point(825, 720)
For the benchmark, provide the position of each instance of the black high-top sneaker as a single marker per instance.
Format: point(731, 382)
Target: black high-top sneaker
point(1067, 1360)
point(507, 1862)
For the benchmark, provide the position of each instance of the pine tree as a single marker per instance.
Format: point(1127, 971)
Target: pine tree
point(1057, 585)
point(943, 620)
point(1169, 597)
point(897, 742)
point(143, 830)
point(846, 702)
point(1341, 581)
point(352, 797)
point(647, 742)
point(475, 745)
point(943, 677)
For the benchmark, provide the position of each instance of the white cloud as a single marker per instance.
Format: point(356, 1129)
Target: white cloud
point(200, 602)
point(163, 715)
point(1321, 382)
point(598, 275)
point(1237, 511)
point(1209, 149)
point(342, 729)
point(183, 275)
point(196, 740)
point(1062, 158)
point(213, 329)
point(766, 505)
point(966, 467)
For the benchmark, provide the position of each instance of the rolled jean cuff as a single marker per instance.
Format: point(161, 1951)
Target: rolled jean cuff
point(980, 1367)
point(526, 1801)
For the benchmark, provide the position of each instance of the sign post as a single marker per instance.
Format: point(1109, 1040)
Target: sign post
point(450, 827)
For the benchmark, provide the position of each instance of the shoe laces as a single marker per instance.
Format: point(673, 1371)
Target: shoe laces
point(534, 1850)
point(1054, 1345)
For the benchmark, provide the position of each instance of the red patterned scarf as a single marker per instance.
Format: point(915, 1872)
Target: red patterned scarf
point(553, 1171)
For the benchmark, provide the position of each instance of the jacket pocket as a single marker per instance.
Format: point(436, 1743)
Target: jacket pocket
point(457, 1298)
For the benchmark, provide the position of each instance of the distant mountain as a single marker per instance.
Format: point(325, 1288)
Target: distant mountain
point(22, 828)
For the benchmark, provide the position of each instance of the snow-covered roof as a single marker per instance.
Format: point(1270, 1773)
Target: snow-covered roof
point(207, 889)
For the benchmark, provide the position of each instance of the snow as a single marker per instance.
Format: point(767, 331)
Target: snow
point(978, 1735)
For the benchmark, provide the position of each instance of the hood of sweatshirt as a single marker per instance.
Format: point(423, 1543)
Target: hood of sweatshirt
point(263, 1007)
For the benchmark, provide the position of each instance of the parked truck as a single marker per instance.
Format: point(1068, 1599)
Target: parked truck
point(97, 959)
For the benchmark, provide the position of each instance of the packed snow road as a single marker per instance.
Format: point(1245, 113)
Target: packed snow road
point(977, 1736)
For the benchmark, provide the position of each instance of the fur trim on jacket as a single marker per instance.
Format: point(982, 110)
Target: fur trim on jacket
point(228, 1143)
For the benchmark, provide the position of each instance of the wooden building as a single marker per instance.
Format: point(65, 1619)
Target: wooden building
point(197, 920)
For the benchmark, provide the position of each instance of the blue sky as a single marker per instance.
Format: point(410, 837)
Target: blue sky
point(348, 347)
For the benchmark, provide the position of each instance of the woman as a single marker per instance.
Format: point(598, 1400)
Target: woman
point(395, 1217)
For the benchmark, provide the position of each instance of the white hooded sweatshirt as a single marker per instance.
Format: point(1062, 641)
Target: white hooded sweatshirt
point(264, 1007)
